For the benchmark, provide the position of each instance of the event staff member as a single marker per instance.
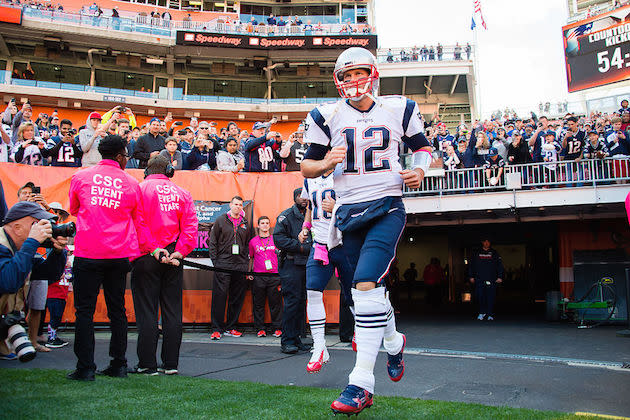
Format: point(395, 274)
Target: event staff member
point(25, 227)
point(292, 269)
point(229, 249)
point(264, 261)
point(486, 271)
point(172, 222)
point(107, 204)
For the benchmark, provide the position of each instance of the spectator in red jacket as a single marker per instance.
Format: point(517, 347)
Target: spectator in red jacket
point(433, 278)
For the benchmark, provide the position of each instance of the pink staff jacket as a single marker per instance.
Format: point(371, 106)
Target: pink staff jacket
point(108, 207)
point(169, 213)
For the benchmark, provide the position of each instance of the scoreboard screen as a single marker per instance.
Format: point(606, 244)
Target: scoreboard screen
point(597, 50)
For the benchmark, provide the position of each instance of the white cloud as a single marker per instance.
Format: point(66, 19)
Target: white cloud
point(521, 54)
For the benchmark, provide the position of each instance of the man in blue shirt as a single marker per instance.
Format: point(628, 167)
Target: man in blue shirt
point(261, 150)
point(25, 227)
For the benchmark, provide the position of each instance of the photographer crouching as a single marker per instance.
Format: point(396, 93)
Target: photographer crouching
point(172, 222)
point(25, 228)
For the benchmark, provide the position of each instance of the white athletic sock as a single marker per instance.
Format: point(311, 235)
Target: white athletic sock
point(316, 317)
point(370, 320)
point(392, 339)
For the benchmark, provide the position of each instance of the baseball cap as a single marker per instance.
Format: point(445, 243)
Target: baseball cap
point(493, 151)
point(593, 132)
point(258, 125)
point(550, 133)
point(55, 205)
point(154, 119)
point(94, 116)
point(27, 208)
point(29, 184)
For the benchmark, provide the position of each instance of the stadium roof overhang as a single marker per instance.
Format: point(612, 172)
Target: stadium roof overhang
point(517, 206)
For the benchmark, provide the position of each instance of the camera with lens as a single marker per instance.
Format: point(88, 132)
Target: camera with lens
point(13, 332)
point(72, 132)
point(67, 230)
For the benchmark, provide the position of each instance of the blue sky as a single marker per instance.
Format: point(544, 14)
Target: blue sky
point(521, 54)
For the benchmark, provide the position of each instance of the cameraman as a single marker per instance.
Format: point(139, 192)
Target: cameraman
point(172, 221)
point(25, 227)
point(110, 230)
point(64, 149)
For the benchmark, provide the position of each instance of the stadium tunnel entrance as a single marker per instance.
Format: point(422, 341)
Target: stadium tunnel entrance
point(537, 257)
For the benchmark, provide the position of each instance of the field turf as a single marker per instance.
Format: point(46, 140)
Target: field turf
point(40, 393)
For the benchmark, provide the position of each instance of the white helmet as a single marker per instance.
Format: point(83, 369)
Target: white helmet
point(356, 58)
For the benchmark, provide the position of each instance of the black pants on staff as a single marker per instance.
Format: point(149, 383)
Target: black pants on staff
point(89, 274)
point(266, 287)
point(230, 287)
point(293, 278)
point(486, 294)
point(156, 285)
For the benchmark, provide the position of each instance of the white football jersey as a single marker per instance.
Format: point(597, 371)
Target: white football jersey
point(371, 168)
point(315, 190)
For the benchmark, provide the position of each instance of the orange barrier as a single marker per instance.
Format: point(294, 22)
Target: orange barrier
point(271, 192)
point(196, 308)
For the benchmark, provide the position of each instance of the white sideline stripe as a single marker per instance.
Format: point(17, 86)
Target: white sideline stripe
point(457, 354)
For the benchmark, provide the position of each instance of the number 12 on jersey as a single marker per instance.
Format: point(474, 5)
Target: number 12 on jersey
point(369, 136)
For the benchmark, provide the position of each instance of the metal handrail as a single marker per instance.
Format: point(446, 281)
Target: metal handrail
point(405, 55)
point(168, 28)
point(5, 78)
point(542, 175)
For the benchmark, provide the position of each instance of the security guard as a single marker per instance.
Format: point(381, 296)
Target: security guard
point(486, 271)
point(294, 249)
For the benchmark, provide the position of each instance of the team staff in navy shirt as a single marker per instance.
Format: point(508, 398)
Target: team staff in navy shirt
point(485, 272)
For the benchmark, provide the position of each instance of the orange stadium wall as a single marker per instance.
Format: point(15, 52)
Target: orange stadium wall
point(270, 192)
point(587, 236)
point(78, 117)
point(123, 6)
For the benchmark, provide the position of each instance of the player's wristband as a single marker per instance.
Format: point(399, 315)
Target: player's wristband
point(307, 225)
point(154, 251)
point(421, 159)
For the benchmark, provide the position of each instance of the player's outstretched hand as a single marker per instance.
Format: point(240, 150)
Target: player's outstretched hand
point(412, 179)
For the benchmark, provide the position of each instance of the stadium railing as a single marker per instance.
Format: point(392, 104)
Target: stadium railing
point(409, 56)
point(595, 10)
point(584, 173)
point(168, 28)
point(173, 94)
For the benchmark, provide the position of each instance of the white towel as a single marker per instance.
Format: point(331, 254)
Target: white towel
point(335, 238)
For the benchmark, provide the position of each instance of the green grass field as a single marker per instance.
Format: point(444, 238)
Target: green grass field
point(39, 393)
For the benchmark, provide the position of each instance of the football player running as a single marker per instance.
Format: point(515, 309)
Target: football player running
point(321, 263)
point(362, 134)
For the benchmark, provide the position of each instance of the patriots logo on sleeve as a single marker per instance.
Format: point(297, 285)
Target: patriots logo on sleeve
point(306, 126)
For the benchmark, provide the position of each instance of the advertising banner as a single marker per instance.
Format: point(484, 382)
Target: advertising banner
point(276, 42)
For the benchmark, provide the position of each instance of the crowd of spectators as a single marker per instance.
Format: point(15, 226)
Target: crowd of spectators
point(430, 53)
point(510, 140)
point(270, 25)
point(201, 145)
